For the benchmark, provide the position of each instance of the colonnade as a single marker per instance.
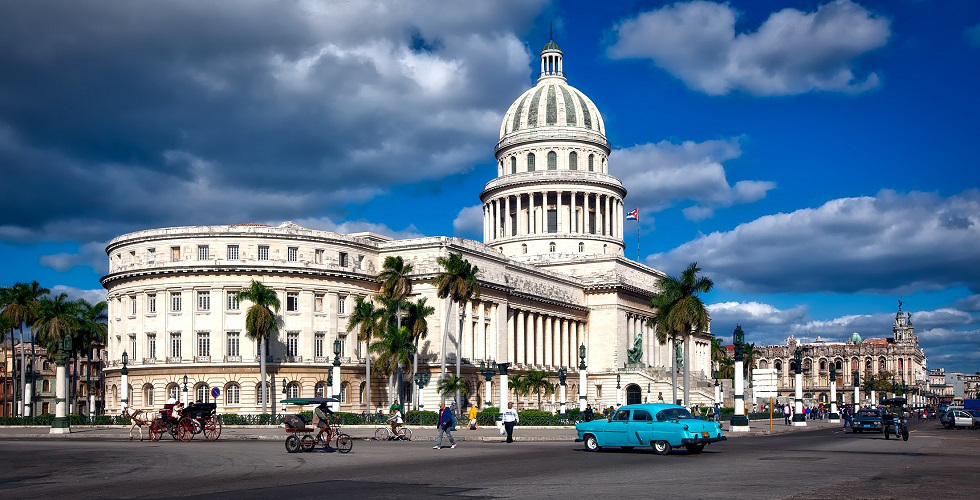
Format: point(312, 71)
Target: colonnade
point(480, 324)
point(542, 340)
point(551, 64)
point(578, 212)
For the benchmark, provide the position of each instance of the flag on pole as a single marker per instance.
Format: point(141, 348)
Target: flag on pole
point(634, 215)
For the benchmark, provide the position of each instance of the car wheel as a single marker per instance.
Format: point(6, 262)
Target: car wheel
point(591, 444)
point(694, 449)
point(661, 447)
point(626, 447)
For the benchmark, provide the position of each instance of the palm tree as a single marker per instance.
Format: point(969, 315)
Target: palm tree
point(6, 298)
point(537, 380)
point(416, 320)
point(57, 318)
point(452, 385)
point(93, 331)
point(661, 303)
point(22, 309)
point(394, 348)
point(261, 323)
point(518, 384)
point(457, 282)
point(365, 318)
point(686, 314)
point(718, 352)
point(726, 368)
point(5, 327)
point(749, 356)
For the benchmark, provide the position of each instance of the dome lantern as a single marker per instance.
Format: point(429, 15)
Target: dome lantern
point(551, 64)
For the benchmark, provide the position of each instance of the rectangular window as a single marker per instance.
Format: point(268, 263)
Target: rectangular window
point(175, 345)
point(175, 301)
point(343, 259)
point(174, 254)
point(151, 346)
point(203, 301)
point(132, 347)
point(292, 301)
point(233, 303)
point(360, 262)
point(233, 344)
point(552, 220)
point(319, 256)
point(232, 252)
point(591, 228)
point(318, 345)
point(263, 252)
point(203, 344)
point(292, 344)
point(132, 306)
point(292, 254)
point(342, 305)
point(318, 302)
point(151, 303)
point(203, 252)
point(151, 255)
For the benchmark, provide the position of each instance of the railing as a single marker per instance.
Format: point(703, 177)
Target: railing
point(233, 359)
point(202, 359)
point(551, 133)
point(173, 359)
point(149, 361)
point(321, 359)
point(294, 359)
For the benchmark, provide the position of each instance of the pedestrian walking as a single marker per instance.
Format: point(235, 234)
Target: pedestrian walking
point(786, 414)
point(510, 419)
point(717, 413)
point(588, 414)
point(447, 422)
point(848, 420)
point(472, 418)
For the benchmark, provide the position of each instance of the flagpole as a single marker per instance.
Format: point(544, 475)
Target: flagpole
point(638, 239)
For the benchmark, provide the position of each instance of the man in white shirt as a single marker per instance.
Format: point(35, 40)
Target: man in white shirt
point(395, 419)
point(510, 418)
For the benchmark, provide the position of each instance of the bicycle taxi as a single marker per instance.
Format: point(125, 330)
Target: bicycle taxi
point(301, 433)
point(894, 418)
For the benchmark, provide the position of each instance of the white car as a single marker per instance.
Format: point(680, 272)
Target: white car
point(957, 418)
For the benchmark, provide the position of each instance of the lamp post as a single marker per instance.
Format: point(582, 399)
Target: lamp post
point(125, 381)
point(185, 392)
point(335, 387)
point(285, 395)
point(874, 397)
point(562, 377)
point(717, 388)
point(488, 370)
point(798, 419)
point(421, 380)
point(739, 421)
point(619, 400)
point(582, 388)
point(60, 424)
point(502, 370)
point(857, 389)
point(28, 390)
point(834, 417)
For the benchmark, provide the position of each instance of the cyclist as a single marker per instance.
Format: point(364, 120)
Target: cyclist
point(322, 413)
point(395, 419)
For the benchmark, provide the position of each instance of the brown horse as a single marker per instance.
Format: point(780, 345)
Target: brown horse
point(139, 418)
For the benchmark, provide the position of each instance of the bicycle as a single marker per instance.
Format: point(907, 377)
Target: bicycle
point(342, 442)
point(383, 433)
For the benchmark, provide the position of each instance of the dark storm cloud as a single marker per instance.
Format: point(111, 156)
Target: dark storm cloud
point(125, 115)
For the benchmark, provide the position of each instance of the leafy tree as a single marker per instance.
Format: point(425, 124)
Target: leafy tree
point(22, 303)
point(394, 348)
point(261, 324)
point(416, 319)
point(726, 368)
point(749, 356)
point(395, 288)
point(92, 331)
point(537, 381)
point(718, 352)
point(365, 319)
point(457, 282)
point(518, 384)
point(57, 318)
point(452, 385)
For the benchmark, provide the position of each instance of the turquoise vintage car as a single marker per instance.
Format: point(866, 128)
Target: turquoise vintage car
point(662, 426)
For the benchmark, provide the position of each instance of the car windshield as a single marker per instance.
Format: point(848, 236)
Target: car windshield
point(622, 415)
point(673, 413)
point(869, 413)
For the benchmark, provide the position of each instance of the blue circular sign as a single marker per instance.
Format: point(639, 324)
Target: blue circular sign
point(215, 392)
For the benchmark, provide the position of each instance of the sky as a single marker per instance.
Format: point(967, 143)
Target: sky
point(817, 159)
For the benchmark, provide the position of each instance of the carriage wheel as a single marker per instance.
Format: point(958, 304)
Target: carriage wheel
point(172, 429)
point(185, 429)
point(344, 443)
point(308, 442)
point(212, 428)
point(156, 432)
point(405, 433)
point(292, 444)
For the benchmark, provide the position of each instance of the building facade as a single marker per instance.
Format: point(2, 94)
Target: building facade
point(552, 274)
point(899, 355)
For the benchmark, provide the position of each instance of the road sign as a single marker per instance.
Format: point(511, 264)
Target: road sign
point(764, 382)
point(215, 392)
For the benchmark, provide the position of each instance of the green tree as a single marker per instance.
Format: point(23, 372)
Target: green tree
point(457, 282)
point(518, 384)
point(416, 319)
point(261, 324)
point(726, 368)
point(537, 381)
point(23, 303)
point(718, 352)
point(396, 286)
point(750, 355)
point(452, 385)
point(365, 319)
point(57, 318)
point(93, 331)
point(680, 313)
point(394, 348)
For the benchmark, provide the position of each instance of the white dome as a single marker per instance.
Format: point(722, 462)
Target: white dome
point(552, 103)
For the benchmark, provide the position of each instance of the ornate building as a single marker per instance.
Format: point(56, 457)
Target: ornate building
point(899, 354)
point(552, 275)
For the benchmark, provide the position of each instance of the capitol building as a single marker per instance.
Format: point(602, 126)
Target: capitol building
point(552, 275)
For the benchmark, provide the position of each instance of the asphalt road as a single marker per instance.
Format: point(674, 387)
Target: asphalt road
point(815, 464)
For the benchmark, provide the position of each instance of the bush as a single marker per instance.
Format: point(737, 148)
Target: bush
point(488, 416)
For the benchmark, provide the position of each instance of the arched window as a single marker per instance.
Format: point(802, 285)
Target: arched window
point(530, 162)
point(552, 160)
point(233, 394)
point(839, 364)
point(173, 391)
point(360, 394)
point(112, 395)
point(854, 364)
point(591, 162)
point(46, 386)
point(823, 364)
point(148, 395)
point(320, 389)
point(581, 247)
point(573, 161)
point(344, 389)
point(513, 164)
point(867, 365)
point(778, 366)
point(882, 365)
point(258, 393)
point(551, 246)
point(604, 168)
point(500, 168)
point(523, 247)
point(292, 390)
point(201, 392)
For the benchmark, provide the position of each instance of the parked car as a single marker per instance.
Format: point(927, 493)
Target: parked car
point(661, 426)
point(868, 420)
point(958, 418)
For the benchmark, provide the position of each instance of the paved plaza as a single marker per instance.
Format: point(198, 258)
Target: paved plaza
point(819, 462)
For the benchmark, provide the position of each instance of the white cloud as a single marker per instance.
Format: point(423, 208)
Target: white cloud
point(358, 226)
point(469, 222)
point(765, 322)
point(90, 254)
point(891, 242)
point(790, 53)
point(92, 296)
point(664, 174)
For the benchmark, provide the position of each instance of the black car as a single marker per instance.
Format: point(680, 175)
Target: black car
point(868, 420)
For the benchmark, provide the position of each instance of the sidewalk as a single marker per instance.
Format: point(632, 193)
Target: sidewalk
point(486, 434)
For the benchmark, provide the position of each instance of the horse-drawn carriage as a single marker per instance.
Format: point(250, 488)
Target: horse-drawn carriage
point(184, 423)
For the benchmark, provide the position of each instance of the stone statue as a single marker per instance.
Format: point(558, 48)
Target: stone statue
point(900, 305)
point(635, 354)
point(678, 355)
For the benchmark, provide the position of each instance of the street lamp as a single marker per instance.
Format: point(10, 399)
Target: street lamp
point(798, 419)
point(335, 386)
point(739, 422)
point(856, 379)
point(421, 380)
point(185, 390)
point(834, 417)
point(61, 424)
point(285, 395)
point(488, 370)
point(124, 376)
point(582, 388)
point(619, 398)
point(562, 377)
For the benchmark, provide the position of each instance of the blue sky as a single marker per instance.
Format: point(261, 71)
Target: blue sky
point(817, 158)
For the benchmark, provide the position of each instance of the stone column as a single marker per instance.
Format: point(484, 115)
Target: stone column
point(508, 224)
point(607, 215)
point(549, 333)
point(61, 425)
point(502, 368)
point(558, 210)
point(520, 214)
point(563, 346)
point(538, 347)
point(511, 335)
point(480, 344)
point(585, 212)
point(834, 417)
point(519, 351)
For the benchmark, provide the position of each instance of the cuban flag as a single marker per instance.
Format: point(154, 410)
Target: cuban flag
point(634, 215)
